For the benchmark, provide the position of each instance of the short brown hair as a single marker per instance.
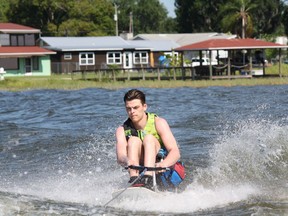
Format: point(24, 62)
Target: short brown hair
point(135, 94)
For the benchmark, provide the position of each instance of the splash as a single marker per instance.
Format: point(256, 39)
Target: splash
point(251, 152)
point(194, 198)
point(248, 160)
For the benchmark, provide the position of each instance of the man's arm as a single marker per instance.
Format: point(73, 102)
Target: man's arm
point(121, 147)
point(169, 141)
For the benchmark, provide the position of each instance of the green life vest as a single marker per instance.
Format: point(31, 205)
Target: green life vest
point(150, 128)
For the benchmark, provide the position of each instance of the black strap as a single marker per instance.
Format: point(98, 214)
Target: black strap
point(147, 168)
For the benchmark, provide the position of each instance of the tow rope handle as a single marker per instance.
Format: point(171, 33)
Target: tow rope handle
point(147, 168)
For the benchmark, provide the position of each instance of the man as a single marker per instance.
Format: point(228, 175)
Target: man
point(141, 137)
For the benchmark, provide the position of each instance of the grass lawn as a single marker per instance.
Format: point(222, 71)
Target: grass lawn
point(65, 82)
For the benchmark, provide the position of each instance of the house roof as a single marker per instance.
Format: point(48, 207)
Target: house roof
point(88, 43)
point(184, 39)
point(230, 44)
point(104, 43)
point(16, 28)
point(23, 51)
point(155, 45)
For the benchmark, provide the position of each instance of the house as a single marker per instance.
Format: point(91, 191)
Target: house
point(94, 53)
point(188, 38)
point(19, 55)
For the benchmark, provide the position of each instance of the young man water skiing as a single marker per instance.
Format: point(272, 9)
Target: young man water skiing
point(141, 137)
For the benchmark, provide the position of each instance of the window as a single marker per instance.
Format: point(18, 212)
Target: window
point(35, 63)
point(29, 40)
point(14, 40)
point(140, 57)
point(22, 40)
point(67, 56)
point(9, 63)
point(4, 40)
point(114, 58)
point(86, 59)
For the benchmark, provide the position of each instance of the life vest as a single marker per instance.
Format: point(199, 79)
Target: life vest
point(150, 128)
point(171, 178)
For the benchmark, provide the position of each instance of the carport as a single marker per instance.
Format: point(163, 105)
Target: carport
point(230, 45)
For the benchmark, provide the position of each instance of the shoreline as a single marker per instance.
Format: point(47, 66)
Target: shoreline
point(64, 83)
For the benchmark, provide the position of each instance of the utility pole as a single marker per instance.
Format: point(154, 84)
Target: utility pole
point(116, 18)
point(131, 23)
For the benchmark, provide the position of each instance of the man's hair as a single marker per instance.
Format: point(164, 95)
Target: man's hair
point(135, 94)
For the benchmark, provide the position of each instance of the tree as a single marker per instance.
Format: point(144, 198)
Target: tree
point(38, 13)
point(4, 6)
point(268, 16)
point(197, 15)
point(285, 19)
point(150, 16)
point(143, 16)
point(237, 17)
point(64, 17)
point(88, 18)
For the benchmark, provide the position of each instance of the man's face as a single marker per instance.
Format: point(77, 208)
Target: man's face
point(135, 109)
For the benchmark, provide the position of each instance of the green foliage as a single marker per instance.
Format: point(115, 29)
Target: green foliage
point(285, 18)
point(237, 15)
point(174, 61)
point(88, 17)
point(194, 16)
point(147, 16)
point(4, 7)
point(64, 17)
point(262, 16)
point(113, 66)
point(267, 16)
point(96, 17)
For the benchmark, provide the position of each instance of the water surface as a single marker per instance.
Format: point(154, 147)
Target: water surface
point(57, 151)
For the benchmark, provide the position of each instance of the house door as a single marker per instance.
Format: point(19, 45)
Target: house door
point(28, 65)
point(127, 59)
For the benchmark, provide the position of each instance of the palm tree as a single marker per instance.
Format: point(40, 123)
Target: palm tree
point(238, 12)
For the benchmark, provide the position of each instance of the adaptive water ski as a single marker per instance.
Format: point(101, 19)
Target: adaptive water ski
point(135, 193)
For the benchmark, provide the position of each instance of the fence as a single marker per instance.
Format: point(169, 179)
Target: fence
point(121, 74)
point(64, 67)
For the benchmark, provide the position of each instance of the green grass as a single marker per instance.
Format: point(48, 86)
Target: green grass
point(65, 82)
point(274, 70)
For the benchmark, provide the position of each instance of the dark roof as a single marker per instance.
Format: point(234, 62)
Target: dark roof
point(230, 44)
point(107, 43)
point(21, 51)
point(66, 44)
point(16, 28)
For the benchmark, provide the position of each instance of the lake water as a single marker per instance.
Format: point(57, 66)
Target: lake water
point(57, 151)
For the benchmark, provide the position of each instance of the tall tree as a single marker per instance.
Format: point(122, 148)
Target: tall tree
point(4, 6)
point(64, 17)
point(143, 16)
point(150, 16)
point(268, 16)
point(38, 13)
point(237, 16)
point(285, 18)
point(88, 17)
point(197, 15)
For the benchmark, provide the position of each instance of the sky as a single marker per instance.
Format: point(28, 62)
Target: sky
point(169, 4)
